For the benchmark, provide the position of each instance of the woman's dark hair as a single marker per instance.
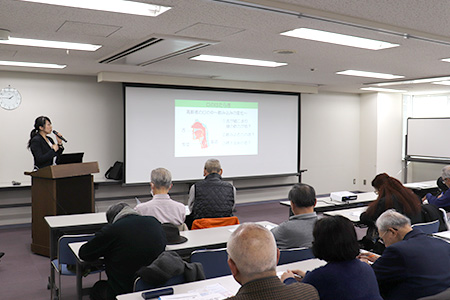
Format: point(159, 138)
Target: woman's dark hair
point(389, 189)
point(335, 239)
point(40, 121)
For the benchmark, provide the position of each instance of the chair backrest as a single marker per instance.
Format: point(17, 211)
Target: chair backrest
point(141, 285)
point(445, 217)
point(65, 254)
point(295, 254)
point(214, 222)
point(214, 262)
point(428, 228)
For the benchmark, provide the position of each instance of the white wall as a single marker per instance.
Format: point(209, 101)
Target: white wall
point(87, 113)
point(368, 136)
point(389, 135)
point(330, 141)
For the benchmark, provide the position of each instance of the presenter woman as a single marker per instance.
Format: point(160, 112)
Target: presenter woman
point(44, 150)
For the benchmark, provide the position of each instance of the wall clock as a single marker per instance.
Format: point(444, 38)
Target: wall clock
point(10, 98)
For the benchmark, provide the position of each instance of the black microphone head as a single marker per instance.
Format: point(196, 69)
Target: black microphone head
point(55, 132)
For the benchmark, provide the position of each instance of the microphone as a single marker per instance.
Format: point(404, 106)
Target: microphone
point(60, 136)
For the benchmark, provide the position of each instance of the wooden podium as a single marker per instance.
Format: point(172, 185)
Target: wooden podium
point(59, 190)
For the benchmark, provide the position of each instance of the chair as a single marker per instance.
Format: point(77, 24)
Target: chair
point(428, 228)
point(65, 257)
point(214, 222)
point(214, 262)
point(445, 217)
point(142, 285)
point(295, 254)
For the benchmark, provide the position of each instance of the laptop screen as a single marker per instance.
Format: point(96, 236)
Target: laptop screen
point(70, 158)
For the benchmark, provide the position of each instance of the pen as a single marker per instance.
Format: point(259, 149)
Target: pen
point(298, 276)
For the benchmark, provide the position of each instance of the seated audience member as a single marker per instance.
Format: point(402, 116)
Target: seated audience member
point(413, 265)
point(211, 197)
point(442, 200)
point(128, 242)
point(161, 206)
point(344, 276)
point(391, 194)
point(253, 257)
point(297, 231)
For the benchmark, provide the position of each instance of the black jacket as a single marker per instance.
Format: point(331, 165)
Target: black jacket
point(126, 245)
point(42, 153)
point(214, 198)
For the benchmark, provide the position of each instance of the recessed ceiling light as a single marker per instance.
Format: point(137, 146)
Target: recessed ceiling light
point(238, 61)
point(368, 74)
point(445, 82)
point(413, 81)
point(118, 6)
point(50, 44)
point(31, 64)
point(337, 38)
point(383, 90)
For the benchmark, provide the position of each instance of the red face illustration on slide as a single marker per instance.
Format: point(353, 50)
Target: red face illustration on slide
point(199, 133)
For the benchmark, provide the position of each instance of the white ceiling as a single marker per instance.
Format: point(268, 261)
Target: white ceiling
point(247, 33)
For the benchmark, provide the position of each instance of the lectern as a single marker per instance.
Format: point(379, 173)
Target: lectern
point(59, 190)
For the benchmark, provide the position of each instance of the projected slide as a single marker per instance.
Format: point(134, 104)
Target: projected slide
point(215, 128)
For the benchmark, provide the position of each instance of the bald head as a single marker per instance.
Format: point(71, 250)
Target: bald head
point(253, 250)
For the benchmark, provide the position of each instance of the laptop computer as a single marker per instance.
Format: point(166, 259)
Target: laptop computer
point(70, 158)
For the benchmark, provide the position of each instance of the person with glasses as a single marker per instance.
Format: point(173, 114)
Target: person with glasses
point(443, 199)
point(413, 265)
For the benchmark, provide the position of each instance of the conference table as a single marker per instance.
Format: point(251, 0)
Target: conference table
point(352, 214)
point(225, 284)
point(216, 237)
point(326, 204)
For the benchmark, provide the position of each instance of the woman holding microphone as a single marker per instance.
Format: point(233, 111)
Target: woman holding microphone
point(44, 150)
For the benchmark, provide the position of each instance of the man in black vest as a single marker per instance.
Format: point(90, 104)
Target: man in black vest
point(211, 197)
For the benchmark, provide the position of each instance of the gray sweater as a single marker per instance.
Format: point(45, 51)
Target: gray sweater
point(295, 232)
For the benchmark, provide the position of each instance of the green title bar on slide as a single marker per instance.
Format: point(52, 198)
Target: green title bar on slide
point(215, 104)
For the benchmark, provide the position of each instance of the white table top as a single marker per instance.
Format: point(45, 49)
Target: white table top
point(327, 202)
point(210, 236)
point(421, 185)
point(76, 220)
point(444, 235)
point(228, 282)
point(196, 238)
point(351, 213)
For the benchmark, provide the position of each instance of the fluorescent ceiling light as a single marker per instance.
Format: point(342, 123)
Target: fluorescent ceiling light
point(369, 74)
point(413, 81)
point(383, 90)
point(337, 38)
point(31, 64)
point(50, 44)
point(118, 6)
point(238, 61)
point(446, 59)
point(445, 82)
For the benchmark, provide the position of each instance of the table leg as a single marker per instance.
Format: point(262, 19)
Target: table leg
point(79, 269)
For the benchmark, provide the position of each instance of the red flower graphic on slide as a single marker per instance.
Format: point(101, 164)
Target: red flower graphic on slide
point(199, 133)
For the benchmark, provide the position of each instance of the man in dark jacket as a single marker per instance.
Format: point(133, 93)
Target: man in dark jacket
point(211, 197)
point(413, 265)
point(128, 242)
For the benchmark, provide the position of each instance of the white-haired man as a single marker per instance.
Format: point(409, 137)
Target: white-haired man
point(253, 257)
point(413, 265)
point(211, 197)
point(442, 200)
point(162, 207)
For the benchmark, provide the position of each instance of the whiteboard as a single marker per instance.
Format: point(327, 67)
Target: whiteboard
point(428, 137)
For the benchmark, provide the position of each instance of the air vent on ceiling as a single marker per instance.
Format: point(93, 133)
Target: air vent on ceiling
point(156, 49)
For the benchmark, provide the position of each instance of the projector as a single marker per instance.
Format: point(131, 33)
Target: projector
point(343, 196)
